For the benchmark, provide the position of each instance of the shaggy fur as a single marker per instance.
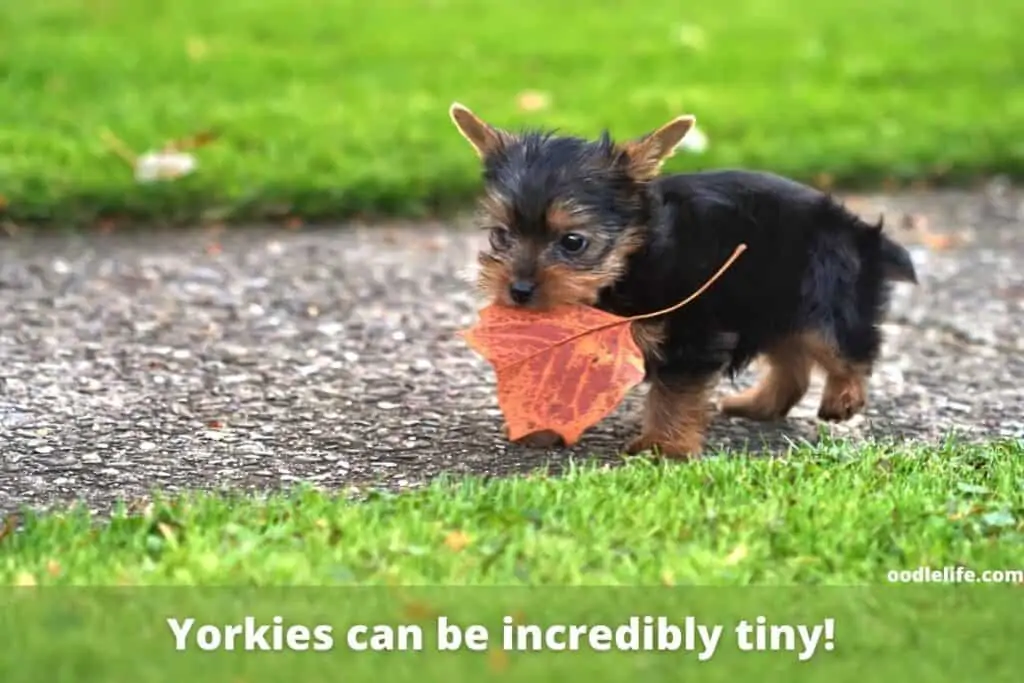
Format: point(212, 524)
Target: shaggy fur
point(573, 221)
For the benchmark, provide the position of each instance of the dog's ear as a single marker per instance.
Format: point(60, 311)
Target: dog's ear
point(485, 138)
point(645, 156)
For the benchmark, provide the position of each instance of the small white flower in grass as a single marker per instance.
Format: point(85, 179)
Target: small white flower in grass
point(154, 166)
point(695, 141)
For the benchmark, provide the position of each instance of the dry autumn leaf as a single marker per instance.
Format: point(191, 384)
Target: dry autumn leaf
point(417, 610)
point(8, 527)
point(497, 660)
point(170, 162)
point(564, 369)
point(533, 100)
point(456, 540)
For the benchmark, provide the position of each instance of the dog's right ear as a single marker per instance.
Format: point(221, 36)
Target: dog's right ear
point(646, 155)
point(485, 138)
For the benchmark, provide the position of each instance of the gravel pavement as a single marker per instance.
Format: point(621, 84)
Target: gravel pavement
point(255, 358)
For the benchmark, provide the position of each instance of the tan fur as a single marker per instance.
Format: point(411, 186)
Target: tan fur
point(649, 335)
point(562, 284)
point(780, 388)
point(788, 376)
point(675, 420)
point(647, 155)
point(845, 392)
point(558, 283)
point(494, 210)
point(565, 216)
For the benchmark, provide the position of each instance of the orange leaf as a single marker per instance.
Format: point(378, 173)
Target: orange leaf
point(8, 527)
point(564, 369)
point(416, 610)
point(456, 540)
point(533, 100)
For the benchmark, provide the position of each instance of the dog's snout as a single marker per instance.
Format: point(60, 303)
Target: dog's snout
point(521, 291)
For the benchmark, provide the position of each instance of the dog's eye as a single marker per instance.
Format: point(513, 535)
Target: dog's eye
point(500, 238)
point(573, 243)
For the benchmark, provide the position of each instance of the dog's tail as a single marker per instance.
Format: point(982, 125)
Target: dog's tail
point(896, 262)
point(897, 265)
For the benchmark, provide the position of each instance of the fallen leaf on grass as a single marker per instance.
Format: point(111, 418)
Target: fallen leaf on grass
point(53, 568)
point(417, 610)
point(497, 660)
point(172, 161)
point(824, 181)
point(154, 166)
point(533, 100)
point(8, 527)
point(456, 540)
point(565, 369)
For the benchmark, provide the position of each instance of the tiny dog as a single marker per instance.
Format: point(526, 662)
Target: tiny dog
point(594, 222)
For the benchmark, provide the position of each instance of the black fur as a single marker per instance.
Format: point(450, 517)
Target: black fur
point(812, 286)
point(810, 264)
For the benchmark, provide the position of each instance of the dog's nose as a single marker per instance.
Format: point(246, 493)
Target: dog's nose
point(521, 291)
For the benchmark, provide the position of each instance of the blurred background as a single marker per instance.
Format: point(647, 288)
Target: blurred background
point(329, 109)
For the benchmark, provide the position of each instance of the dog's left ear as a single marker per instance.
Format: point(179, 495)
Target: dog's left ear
point(645, 156)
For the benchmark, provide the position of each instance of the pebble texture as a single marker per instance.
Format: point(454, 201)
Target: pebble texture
point(257, 358)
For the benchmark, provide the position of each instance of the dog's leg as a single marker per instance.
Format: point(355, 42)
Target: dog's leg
point(675, 417)
point(846, 381)
point(781, 387)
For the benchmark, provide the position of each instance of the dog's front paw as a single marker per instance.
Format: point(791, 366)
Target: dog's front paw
point(675, 449)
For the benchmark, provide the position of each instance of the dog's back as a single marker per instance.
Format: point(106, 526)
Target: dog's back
point(811, 288)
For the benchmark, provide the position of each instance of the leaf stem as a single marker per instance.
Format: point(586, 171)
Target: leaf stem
point(625, 321)
point(711, 280)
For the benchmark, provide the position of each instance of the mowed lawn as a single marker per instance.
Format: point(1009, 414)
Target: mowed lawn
point(330, 109)
point(833, 514)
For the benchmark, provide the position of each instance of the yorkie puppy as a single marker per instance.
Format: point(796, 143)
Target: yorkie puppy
point(572, 221)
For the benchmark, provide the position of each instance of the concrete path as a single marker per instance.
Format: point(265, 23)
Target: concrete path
point(258, 358)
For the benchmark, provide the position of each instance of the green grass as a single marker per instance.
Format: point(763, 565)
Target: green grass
point(720, 540)
point(333, 109)
point(939, 634)
point(830, 514)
